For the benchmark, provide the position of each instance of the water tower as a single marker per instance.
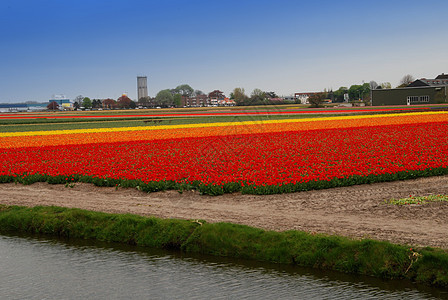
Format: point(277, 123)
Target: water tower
point(142, 87)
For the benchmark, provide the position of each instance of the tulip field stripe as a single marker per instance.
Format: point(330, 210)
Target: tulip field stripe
point(128, 134)
point(205, 114)
point(223, 124)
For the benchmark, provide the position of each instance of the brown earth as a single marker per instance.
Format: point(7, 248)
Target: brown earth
point(357, 211)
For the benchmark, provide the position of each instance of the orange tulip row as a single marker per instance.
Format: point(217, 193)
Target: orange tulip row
point(219, 129)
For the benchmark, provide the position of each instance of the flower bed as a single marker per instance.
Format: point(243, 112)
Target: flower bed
point(254, 157)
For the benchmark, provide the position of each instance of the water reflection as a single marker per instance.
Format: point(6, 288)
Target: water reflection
point(36, 268)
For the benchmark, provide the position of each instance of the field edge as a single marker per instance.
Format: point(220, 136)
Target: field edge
point(243, 187)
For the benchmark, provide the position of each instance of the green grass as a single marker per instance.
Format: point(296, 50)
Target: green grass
point(418, 200)
point(368, 257)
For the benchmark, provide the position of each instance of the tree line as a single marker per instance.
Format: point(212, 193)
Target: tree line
point(173, 97)
point(123, 102)
point(170, 97)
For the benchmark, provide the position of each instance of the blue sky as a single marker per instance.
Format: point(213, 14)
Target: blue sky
point(97, 48)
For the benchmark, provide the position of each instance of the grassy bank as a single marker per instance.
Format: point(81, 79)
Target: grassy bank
point(368, 257)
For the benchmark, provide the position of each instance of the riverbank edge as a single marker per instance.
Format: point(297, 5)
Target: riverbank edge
point(367, 257)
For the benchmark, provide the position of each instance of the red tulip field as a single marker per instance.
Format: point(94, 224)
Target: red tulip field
point(251, 157)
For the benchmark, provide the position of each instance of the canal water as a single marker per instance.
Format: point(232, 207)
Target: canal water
point(40, 268)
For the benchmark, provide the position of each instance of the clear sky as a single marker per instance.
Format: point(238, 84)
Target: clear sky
point(96, 48)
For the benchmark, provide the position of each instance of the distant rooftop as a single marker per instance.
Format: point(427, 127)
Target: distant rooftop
point(442, 76)
point(13, 105)
point(440, 80)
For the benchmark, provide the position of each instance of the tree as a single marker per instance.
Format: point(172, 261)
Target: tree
point(373, 85)
point(386, 85)
point(198, 92)
point(365, 91)
point(317, 99)
point(216, 94)
point(77, 103)
point(339, 94)
point(177, 100)
point(164, 98)
point(146, 102)
point(257, 97)
point(271, 95)
point(96, 103)
point(124, 102)
point(406, 80)
point(79, 99)
point(359, 92)
point(184, 90)
point(239, 96)
point(86, 102)
point(53, 105)
point(330, 95)
point(109, 103)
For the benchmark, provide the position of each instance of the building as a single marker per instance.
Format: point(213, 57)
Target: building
point(64, 104)
point(22, 107)
point(226, 102)
point(441, 80)
point(13, 107)
point(195, 101)
point(142, 87)
point(37, 106)
point(215, 96)
point(420, 91)
point(303, 97)
point(409, 96)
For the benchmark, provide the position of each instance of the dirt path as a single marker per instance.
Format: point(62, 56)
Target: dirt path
point(357, 211)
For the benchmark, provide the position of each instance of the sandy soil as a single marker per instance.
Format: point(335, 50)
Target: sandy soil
point(357, 211)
